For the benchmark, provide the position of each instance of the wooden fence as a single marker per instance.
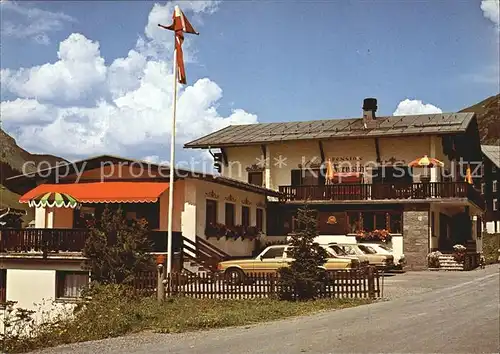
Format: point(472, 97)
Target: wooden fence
point(338, 284)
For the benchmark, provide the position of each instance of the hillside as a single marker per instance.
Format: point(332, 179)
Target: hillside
point(488, 117)
point(12, 159)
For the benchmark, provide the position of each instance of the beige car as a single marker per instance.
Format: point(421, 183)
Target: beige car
point(381, 261)
point(271, 259)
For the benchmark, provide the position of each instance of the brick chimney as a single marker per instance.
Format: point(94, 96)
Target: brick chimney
point(369, 109)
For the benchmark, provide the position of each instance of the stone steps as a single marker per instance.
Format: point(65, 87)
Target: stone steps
point(447, 262)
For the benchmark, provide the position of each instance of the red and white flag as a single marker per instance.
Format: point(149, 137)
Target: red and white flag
point(180, 26)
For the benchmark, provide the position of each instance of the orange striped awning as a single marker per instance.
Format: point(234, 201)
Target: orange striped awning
point(103, 192)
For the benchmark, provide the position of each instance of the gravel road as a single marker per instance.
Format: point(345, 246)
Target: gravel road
point(428, 312)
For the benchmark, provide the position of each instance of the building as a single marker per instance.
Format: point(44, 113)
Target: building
point(44, 263)
point(490, 187)
point(372, 186)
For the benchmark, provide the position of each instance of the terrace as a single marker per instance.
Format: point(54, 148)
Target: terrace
point(64, 241)
point(347, 192)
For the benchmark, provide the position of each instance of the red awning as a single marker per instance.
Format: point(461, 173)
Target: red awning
point(103, 192)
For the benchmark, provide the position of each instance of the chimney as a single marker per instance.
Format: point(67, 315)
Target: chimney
point(369, 109)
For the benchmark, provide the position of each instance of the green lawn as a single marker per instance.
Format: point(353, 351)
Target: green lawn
point(111, 314)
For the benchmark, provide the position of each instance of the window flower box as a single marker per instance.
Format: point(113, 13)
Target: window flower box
point(375, 235)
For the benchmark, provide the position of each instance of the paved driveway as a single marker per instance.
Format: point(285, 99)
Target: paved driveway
point(428, 313)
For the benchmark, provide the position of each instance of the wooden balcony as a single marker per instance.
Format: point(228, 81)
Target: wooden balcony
point(382, 191)
point(65, 240)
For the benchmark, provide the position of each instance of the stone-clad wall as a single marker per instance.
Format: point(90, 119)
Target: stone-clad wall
point(416, 239)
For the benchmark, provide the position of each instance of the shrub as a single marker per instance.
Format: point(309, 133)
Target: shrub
point(304, 277)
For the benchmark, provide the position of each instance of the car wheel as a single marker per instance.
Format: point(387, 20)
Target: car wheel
point(235, 276)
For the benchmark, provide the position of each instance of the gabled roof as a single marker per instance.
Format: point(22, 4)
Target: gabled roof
point(492, 152)
point(70, 168)
point(423, 124)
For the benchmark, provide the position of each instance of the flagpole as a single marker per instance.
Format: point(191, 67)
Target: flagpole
point(172, 170)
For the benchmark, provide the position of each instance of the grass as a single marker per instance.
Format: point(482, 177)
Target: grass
point(112, 313)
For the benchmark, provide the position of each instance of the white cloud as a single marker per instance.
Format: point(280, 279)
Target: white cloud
point(408, 107)
point(79, 70)
point(491, 10)
point(79, 106)
point(32, 22)
point(26, 112)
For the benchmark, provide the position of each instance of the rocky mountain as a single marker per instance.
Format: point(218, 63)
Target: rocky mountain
point(488, 118)
point(12, 160)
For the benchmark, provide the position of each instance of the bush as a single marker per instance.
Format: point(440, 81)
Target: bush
point(304, 277)
point(491, 245)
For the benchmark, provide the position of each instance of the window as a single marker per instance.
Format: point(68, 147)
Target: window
point(256, 178)
point(395, 223)
point(3, 285)
point(495, 187)
point(275, 252)
point(495, 204)
point(371, 220)
point(482, 170)
point(494, 169)
point(483, 187)
point(229, 214)
point(260, 219)
point(245, 216)
point(71, 284)
point(354, 222)
point(211, 212)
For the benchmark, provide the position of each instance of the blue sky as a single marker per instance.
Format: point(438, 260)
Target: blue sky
point(253, 61)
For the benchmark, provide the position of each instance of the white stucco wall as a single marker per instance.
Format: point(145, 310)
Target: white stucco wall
point(239, 159)
point(32, 284)
point(294, 153)
point(197, 212)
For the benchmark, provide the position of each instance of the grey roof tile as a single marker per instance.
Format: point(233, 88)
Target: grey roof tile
point(443, 123)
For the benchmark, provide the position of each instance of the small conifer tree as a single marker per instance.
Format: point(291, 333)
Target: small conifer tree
point(304, 277)
point(117, 248)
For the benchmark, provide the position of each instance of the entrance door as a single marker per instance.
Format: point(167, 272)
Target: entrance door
point(444, 241)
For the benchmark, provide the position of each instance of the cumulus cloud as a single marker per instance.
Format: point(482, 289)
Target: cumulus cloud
point(31, 22)
point(491, 10)
point(79, 70)
point(408, 107)
point(79, 106)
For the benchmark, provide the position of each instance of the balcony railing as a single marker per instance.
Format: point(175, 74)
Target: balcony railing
point(66, 240)
point(346, 192)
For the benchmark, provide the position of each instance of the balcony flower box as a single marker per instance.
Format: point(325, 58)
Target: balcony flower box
point(219, 230)
point(373, 236)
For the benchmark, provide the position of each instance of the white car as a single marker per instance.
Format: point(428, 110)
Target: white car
point(399, 260)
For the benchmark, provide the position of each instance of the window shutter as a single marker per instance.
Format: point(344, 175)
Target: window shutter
point(296, 177)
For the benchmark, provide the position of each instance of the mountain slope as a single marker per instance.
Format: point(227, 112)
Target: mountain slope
point(12, 160)
point(488, 118)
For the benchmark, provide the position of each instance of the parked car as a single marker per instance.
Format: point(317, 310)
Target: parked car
point(399, 260)
point(339, 251)
point(271, 259)
point(381, 261)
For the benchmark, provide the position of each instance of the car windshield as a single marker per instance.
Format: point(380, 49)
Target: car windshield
point(337, 250)
point(384, 247)
point(366, 249)
point(330, 252)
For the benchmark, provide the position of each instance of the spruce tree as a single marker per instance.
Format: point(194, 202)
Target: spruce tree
point(304, 276)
